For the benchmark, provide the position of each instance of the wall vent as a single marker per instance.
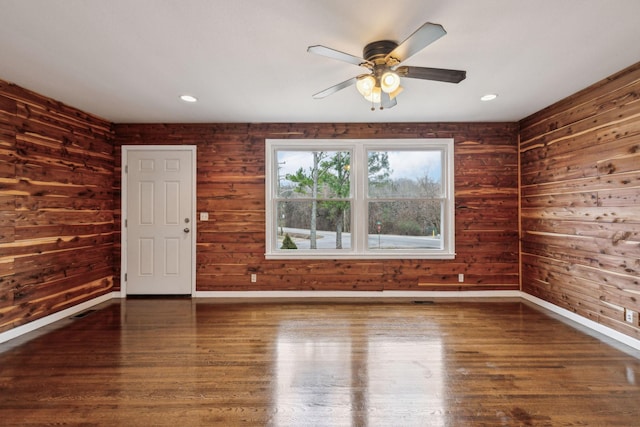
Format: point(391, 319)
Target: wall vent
point(82, 314)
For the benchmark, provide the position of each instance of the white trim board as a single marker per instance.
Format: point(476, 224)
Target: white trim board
point(358, 294)
point(588, 323)
point(47, 320)
point(583, 321)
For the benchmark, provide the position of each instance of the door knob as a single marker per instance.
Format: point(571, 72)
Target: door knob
point(186, 230)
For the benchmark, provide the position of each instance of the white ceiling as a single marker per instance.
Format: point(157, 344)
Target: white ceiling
point(246, 60)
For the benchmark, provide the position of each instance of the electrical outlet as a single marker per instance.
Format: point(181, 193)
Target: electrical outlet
point(629, 316)
point(460, 278)
point(254, 278)
point(204, 216)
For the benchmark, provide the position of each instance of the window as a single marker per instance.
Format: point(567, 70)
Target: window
point(359, 199)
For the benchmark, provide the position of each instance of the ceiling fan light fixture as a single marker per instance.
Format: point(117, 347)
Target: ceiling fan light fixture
point(396, 92)
point(390, 81)
point(375, 96)
point(365, 84)
point(383, 59)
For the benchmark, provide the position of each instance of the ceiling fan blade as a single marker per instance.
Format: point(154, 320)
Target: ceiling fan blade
point(336, 54)
point(437, 74)
point(335, 88)
point(386, 101)
point(421, 38)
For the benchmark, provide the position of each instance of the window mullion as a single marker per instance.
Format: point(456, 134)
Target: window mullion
point(360, 202)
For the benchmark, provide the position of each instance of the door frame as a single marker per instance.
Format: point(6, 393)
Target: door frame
point(124, 209)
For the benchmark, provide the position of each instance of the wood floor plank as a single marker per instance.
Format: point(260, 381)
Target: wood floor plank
point(142, 362)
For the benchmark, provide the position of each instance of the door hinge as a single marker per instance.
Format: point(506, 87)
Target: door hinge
point(125, 277)
point(126, 168)
point(126, 223)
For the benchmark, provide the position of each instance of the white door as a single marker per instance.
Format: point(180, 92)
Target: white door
point(159, 222)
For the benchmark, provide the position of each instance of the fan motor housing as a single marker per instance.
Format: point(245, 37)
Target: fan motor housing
point(378, 50)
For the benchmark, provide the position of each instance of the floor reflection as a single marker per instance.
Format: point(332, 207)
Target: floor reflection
point(406, 375)
point(313, 373)
point(348, 373)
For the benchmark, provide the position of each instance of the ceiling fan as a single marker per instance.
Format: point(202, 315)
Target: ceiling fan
point(383, 58)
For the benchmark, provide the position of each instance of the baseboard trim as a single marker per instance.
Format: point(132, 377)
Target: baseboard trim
point(357, 294)
point(47, 320)
point(590, 324)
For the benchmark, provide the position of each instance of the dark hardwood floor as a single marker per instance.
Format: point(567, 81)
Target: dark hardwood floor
point(184, 362)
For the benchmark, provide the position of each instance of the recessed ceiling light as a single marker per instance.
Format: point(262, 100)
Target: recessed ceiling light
point(188, 98)
point(488, 97)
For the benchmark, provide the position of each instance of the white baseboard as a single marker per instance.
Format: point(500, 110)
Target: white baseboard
point(597, 327)
point(357, 294)
point(590, 324)
point(47, 320)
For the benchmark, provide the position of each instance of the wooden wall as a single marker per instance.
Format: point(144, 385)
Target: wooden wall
point(580, 213)
point(56, 206)
point(580, 162)
point(580, 197)
point(231, 245)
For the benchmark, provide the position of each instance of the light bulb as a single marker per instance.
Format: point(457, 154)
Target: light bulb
point(365, 84)
point(389, 81)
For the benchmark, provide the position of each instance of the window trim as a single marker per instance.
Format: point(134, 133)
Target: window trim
point(359, 199)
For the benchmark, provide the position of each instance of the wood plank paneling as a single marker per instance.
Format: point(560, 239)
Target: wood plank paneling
point(580, 187)
point(579, 163)
point(231, 173)
point(56, 206)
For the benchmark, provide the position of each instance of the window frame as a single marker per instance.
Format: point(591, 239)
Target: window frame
point(359, 199)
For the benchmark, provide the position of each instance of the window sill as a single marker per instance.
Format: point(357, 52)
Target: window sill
point(354, 256)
